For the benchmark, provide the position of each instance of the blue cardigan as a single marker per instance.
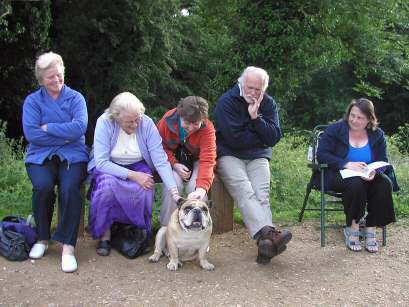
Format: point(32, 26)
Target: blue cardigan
point(240, 136)
point(66, 120)
point(334, 145)
point(150, 145)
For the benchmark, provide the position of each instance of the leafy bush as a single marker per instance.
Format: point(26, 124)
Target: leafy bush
point(401, 139)
point(289, 177)
point(400, 163)
point(15, 187)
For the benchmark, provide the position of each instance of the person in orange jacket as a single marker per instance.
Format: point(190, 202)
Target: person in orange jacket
point(189, 139)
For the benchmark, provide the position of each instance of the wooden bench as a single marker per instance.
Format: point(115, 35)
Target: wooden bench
point(221, 211)
point(222, 207)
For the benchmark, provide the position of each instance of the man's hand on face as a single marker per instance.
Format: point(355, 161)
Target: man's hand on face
point(254, 105)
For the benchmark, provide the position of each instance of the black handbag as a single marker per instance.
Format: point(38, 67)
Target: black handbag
point(184, 157)
point(17, 236)
point(129, 240)
point(13, 245)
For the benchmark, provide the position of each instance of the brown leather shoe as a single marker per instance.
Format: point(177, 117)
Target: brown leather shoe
point(271, 242)
point(261, 259)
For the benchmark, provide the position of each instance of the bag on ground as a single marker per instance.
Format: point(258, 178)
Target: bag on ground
point(17, 236)
point(129, 240)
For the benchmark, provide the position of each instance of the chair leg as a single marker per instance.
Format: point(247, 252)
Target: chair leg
point(323, 229)
point(384, 236)
point(304, 205)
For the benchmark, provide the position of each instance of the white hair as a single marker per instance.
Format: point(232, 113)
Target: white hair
point(46, 61)
point(124, 102)
point(257, 71)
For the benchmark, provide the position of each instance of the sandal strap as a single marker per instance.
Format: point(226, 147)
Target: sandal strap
point(371, 244)
point(353, 233)
point(348, 233)
point(370, 234)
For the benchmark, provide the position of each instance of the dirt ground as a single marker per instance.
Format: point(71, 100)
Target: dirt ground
point(304, 275)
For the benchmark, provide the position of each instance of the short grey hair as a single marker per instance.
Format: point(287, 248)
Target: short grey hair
point(254, 70)
point(124, 102)
point(46, 61)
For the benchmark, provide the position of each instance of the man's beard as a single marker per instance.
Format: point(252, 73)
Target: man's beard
point(249, 99)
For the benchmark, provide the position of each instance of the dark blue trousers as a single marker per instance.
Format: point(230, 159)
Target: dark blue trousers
point(44, 177)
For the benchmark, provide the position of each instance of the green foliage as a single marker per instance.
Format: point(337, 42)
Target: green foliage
point(24, 33)
point(15, 187)
point(400, 162)
point(115, 46)
point(289, 177)
point(401, 139)
point(320, 54)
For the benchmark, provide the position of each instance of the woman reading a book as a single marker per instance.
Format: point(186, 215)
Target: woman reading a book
point(353, 143)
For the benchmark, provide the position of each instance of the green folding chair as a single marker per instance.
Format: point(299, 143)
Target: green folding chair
point(333, 204)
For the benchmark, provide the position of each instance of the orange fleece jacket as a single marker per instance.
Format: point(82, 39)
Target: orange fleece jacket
point(201, 144)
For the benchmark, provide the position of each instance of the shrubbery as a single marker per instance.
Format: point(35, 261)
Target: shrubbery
point(401, 139)
point(15, 187)
point(289, 177)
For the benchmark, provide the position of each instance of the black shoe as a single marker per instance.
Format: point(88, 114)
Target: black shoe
point(104, 248)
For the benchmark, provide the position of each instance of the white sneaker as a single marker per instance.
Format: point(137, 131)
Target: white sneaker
point(38, 250)
point(68, 263)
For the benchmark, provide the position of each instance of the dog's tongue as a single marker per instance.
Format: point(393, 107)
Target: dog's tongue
point(196, 224)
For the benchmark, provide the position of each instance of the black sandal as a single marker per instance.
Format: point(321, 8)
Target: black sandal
point(104, 248)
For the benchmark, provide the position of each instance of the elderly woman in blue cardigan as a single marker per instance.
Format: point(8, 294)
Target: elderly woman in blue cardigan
point(127, 150)
point(54, 121)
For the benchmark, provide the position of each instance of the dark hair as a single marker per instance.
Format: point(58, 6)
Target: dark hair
point(193, 108)
point(366, 107)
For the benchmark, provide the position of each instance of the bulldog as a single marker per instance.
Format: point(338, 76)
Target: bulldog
point(187, 235)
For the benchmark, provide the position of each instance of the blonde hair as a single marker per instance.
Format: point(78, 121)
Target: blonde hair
point(254, 70)
point(124, 102)
point(46, 61)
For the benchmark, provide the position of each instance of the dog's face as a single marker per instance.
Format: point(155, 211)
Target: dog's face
point(194, 215)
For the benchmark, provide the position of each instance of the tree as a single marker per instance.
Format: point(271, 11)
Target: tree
point(115, 46)
point(321, 53)
point(24, 28)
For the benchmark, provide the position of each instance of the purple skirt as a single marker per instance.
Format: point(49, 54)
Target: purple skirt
point(117, 200)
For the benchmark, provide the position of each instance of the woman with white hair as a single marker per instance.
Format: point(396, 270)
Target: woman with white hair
point(127, 150)
point(54, 121)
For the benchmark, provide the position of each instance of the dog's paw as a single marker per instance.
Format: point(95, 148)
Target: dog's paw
point(173, 265)
point(206, 265)
point(154, 258)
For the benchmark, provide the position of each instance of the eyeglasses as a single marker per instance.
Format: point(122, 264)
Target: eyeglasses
point(253, 89)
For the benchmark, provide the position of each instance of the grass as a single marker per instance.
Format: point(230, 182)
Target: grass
point(289, 177)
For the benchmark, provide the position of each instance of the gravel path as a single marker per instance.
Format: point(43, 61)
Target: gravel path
point(304, 275)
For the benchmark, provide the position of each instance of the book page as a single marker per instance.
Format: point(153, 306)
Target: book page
point(347, 173)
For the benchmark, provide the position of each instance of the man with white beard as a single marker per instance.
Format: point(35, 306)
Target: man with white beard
point(247, 127)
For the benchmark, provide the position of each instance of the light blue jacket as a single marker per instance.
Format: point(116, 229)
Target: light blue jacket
point(150, 145)
point(66, 120)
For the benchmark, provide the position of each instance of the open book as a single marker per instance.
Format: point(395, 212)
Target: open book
point(346, 173)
